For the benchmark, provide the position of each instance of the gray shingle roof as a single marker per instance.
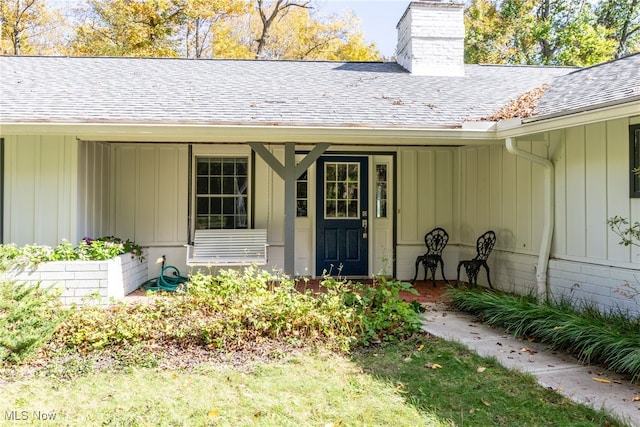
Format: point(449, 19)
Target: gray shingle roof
point(593, 87)
point(284, 93)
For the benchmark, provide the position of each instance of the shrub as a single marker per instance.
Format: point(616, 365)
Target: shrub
point(29, 316)
point(88, 249)
point(234, 310)
point(380, 313)
point(610, 338)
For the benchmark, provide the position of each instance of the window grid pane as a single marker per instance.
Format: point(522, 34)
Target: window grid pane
point(221, 192)
point(634, 157)
point(302, 197)
point(381, 191)
point(341, 188)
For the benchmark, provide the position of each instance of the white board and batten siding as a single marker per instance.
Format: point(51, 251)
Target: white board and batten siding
point(503, 193)
point(40, 189)
point(592, 185)
point(426, 199)
point(149, 199)
point(94, 183)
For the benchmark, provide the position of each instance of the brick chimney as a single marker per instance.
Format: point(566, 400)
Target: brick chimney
point(431, 38)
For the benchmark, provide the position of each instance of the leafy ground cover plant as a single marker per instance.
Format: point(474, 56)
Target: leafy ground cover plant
point(88, 249)
point(233, 310)
point(607, 338)
point(29, 316)
point(380, 313)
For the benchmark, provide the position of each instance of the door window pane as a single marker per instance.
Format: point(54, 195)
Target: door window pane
point(341, 186)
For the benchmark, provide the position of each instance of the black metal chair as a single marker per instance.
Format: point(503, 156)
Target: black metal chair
point(484, 246)
point(435, 241)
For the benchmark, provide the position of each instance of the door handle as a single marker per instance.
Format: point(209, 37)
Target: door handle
point(365, 224)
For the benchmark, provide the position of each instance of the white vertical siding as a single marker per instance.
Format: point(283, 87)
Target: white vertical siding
point(40, 189)
point(426, 199)
point(575, 179)
point(524, 200)
point(93, 188)
point(618, 202)
point(426, 195)
point(592, 171)
point(596, 190)
point(503, 193)
point(498, 192)
point(149, 193)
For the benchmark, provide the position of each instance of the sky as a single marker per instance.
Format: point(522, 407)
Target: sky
point(378, 19)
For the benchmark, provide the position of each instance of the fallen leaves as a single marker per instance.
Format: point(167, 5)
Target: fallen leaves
point(433, 366)
point(524, 105)
point(527, 350)
point(601, 380)
point(481, 369)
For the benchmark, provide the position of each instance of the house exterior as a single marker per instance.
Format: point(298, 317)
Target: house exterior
point(347, 165)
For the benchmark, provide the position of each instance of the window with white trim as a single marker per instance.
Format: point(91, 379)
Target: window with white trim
point(222, 192)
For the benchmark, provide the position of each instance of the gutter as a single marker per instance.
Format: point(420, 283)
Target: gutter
point(547, 232)
point(238, 133)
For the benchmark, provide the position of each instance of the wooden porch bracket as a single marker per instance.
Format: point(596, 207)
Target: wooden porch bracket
point(289, 172)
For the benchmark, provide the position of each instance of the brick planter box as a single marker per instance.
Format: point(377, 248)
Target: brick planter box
point(84, 281)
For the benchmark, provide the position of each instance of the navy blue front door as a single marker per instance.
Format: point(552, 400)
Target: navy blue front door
point(342, 217)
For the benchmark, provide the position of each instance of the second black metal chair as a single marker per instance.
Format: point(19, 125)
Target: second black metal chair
point(484, 246)
point(435, 241)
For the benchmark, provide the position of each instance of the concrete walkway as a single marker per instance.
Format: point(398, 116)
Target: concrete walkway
point(589, 385)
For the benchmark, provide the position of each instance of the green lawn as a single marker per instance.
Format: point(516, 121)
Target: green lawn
point(422, 381)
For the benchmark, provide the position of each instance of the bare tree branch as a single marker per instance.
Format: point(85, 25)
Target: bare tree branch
point(279, 6)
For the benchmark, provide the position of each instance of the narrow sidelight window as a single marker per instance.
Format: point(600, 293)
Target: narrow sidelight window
point(302, 195)
point(634, 160)
point(381, 191)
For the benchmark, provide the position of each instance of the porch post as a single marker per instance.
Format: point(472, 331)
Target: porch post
point(289, 172)
point(290, 178)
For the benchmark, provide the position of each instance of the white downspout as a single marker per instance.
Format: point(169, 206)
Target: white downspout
point(549, 199)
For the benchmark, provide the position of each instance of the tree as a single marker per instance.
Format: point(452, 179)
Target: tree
point(129, 28)
point(202, 17)
point(623, 18)
point(23, 23)
point(279, 8)
point(300, 34)
point(541, 32)
point(217, 28)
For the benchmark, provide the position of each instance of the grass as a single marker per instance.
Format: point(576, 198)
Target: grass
point(248, 349)
point(421, 381)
